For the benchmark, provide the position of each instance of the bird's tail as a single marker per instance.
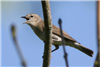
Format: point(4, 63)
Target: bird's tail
point(83, 49)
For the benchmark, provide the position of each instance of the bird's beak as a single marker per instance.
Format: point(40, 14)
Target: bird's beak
point(25, 18)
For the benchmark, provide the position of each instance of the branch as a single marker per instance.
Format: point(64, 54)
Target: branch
point(48, 33)
point(96, 64)
point(99, 31)
point(97, 61)
point(63, 43)
point(13, 30)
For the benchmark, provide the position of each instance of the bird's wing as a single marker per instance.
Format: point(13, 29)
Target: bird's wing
point(56, 31)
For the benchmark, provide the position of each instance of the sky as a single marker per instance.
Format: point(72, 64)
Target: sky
point(78, 20)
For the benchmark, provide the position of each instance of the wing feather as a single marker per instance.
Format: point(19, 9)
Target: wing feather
point(56, 31)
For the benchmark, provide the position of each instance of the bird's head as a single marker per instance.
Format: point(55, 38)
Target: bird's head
point(32, 19)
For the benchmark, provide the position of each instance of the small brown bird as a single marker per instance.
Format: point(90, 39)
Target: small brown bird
point(37, 25)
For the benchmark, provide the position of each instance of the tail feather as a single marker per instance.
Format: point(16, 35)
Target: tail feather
point(84, 49)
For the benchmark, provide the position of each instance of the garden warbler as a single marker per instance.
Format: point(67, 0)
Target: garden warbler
point(37, 25)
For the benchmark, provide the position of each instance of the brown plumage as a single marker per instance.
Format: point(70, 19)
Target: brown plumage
point(37, 25)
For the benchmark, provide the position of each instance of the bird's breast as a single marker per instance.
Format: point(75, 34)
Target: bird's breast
point(39, 33)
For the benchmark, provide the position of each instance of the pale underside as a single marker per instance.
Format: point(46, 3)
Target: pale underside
point(56, 36)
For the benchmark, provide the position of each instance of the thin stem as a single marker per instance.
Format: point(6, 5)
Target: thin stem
point(13, 30)
point(63, 43)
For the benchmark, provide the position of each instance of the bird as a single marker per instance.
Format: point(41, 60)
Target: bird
point(37, 25)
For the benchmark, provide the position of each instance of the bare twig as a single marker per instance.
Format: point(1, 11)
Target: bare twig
point(97, 61)
point(96, 64)
point(65, 53)
point(48, 33)
point(13, 30)
point(98, 13)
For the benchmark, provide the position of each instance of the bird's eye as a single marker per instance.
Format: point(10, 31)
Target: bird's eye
point(31, 16)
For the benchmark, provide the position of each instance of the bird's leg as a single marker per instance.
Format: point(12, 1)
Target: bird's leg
point(56, 48)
